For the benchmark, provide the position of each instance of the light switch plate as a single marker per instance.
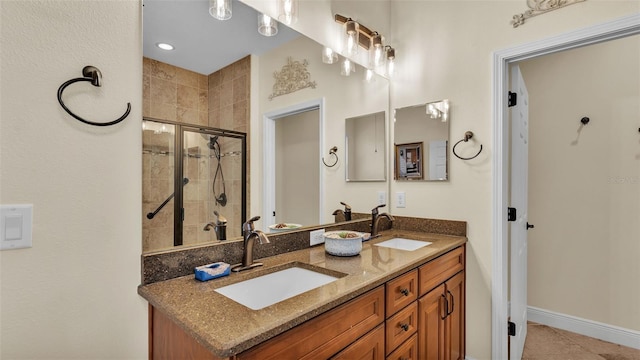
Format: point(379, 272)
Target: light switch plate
point(401, 200)
point(315, 237)
point(15, 226)
point(382, 197)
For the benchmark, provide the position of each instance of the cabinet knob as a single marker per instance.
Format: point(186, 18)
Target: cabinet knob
point(405, 292)
point(404, 327)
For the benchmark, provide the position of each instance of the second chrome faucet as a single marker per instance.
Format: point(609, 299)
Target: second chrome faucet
point(250, 234)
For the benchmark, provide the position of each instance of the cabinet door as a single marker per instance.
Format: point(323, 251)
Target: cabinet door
point(455, 321)
point(431, 326)
point(369, 347)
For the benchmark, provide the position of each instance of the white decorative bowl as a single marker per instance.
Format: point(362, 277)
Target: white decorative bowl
point(343, 242)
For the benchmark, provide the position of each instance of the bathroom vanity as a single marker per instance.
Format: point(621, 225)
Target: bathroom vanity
point(386, 303)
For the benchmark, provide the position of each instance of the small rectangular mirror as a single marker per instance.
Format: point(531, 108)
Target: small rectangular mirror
point(421, 139)
point(365, 147)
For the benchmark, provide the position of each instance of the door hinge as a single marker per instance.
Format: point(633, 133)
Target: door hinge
point(512, 328)
point(513, 99)
point(511, 214)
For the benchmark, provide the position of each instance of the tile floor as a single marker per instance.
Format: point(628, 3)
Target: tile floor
point(547, 343)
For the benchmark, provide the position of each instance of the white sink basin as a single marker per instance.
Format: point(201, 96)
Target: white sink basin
point(268, 289)
point(403, 244)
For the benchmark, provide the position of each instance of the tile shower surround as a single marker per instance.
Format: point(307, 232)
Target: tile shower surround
point(167, 265)
point(219, 100)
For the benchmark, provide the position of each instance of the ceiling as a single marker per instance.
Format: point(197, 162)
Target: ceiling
point(202, 43)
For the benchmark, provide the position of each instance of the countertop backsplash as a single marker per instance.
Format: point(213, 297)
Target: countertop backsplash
point(160, 266)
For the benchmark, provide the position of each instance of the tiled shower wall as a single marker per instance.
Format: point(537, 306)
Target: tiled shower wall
point(219, 100)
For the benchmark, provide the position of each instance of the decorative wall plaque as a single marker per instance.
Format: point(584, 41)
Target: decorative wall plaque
point(537, 7)
point(294, 76)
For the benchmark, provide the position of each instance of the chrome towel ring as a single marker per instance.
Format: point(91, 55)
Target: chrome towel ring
point(94, 76)
point(467, 135)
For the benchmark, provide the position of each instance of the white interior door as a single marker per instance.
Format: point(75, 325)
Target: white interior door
point(518, 228)
point(438, 160)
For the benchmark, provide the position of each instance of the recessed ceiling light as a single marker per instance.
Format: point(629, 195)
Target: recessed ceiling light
point(164, 46)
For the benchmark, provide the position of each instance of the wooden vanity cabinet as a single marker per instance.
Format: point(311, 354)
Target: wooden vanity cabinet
point(441, 310)
point(418, 315)
point(326, 335)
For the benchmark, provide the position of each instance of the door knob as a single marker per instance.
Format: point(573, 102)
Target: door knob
point(530, 226)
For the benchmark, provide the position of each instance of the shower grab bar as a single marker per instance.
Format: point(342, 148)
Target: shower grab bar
point(150, 215)
point(94, 76)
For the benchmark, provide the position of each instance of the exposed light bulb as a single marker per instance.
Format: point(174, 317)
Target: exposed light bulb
point(391, 57)
point(377, 50)
point(288, 11)
point(267, 26)
point(352, 38)
point(329, 56)
point(347, 68)
point(369, 76)
point(220, 9)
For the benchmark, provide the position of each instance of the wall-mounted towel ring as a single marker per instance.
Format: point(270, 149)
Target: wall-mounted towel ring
point(94, 76)
point(467, 135)
point(332, 151)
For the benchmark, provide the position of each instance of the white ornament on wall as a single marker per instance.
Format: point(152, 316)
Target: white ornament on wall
point(537, 7)
point(294, 76)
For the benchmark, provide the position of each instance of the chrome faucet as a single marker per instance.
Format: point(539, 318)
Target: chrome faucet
point(346, 213)
point(220, 226)
point(249, 233)
point(375, 219)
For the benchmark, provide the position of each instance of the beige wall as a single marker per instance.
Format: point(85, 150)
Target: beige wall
point(584, 182)
point(73, 294)
point(454, 61)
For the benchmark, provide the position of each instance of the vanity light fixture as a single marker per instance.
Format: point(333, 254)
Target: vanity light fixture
point(439, 110)
point(352, 37)
point(377, 50)
point(165, 46)
point(347, 67)
point(358, 35)
point(220, 9)
point(267, 26)
point(368, 76)
point(288, 11)
point(391, 60)
point(329, 56)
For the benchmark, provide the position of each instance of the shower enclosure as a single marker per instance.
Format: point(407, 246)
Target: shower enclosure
point(188, 173)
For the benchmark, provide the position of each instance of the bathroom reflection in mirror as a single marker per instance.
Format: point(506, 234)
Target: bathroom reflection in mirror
point(427, 124)
point(365, 147)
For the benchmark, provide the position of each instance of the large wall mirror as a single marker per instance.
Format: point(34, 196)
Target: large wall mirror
point(421, 142)
point(225, 90)
point(365, 147)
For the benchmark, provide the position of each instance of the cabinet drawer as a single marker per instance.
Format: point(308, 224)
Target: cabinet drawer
point(327, 334)
point(368, 347)
point(401, 292)
point(407, 351)
point(440, 269)
point(401, 326)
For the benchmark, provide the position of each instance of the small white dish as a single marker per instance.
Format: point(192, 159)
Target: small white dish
point(284, 227)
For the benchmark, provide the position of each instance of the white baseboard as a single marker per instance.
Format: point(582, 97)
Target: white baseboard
point(594, 329)
point(468, 358)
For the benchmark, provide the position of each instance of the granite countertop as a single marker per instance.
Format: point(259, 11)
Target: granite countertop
point(228, 328)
